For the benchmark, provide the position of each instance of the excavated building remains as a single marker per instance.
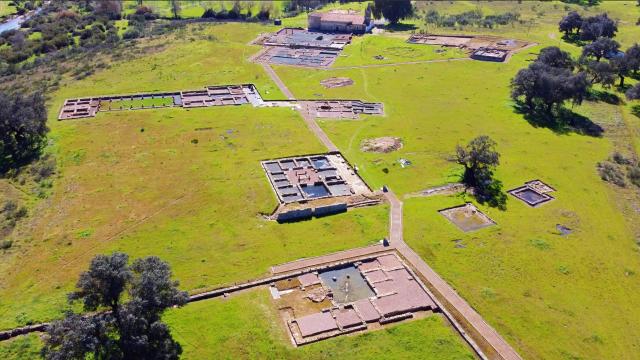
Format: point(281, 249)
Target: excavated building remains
point(534, 193)
point(467, 217)
point(360, 295)
point(385, 144)
point(219, 95)
point(311, 177)
point(211, 96)
point(335, 82)
point(300, 47)
point(480, 47)
point(341, 109)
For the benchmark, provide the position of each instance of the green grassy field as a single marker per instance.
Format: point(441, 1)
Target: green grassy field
point(550, 296)
point(193, 197)
point(364, 49)
point(23, 347)
point(6, 9)
point(248, 326)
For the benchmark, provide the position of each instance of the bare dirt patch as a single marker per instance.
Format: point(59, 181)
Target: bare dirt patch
point(384, 144)
point(335, 82)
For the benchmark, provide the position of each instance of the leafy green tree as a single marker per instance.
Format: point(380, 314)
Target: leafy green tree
point(23, 129)
point(600, 48)
point(570, 23)
point(392, 10)
point(601, 72)
point(548, 83)
point(120, 330)
point(598, 26)
point(480, 159)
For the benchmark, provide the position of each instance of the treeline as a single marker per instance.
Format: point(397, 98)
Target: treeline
point(470, 18)
point(602, 58)
point(237, 13)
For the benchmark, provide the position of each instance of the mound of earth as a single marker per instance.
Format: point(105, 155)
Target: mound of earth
point(384, 144)
point(335, 82)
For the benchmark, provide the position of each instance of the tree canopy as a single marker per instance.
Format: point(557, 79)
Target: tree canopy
point(392, 10)
point(598, 26)
point(548, 82)
point(480, 159)
point(119, 330)
point(23, 129)
point(600, 48)
point(570, 23)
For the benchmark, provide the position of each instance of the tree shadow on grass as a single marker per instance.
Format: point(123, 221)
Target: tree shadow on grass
point(574, 39)
point(400, 27)
point(560, 121)
point(492, 196)
point(635, 110)
point(604, 96)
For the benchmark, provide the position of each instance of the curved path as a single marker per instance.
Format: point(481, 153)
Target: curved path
point(493, 345)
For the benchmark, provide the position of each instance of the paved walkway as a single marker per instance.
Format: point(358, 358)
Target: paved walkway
point(309, 119)
point(469, 315)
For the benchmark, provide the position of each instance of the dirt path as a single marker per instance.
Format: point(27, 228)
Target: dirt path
point(454, 301)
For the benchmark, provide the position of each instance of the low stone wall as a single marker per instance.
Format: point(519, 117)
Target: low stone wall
point(305, 214)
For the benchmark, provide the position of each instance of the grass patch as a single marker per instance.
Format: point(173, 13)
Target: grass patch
point(196, 205)
point(22, 347)
point(247, 326)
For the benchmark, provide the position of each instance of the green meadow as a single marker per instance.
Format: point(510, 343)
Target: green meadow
point(6, 9)
point(551, 296)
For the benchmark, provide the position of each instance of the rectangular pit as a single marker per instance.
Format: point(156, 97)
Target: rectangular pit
point(534, 193)
point(467, 217)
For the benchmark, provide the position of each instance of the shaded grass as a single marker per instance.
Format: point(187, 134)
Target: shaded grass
point(247, 326)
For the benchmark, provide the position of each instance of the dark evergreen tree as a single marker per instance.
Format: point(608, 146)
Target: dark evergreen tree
point(392, 10)
point(23, 129)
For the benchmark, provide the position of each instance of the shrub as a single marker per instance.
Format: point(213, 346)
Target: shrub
point(609, 172)
point(6, 244)
point(619, 159)
point(132, 34)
